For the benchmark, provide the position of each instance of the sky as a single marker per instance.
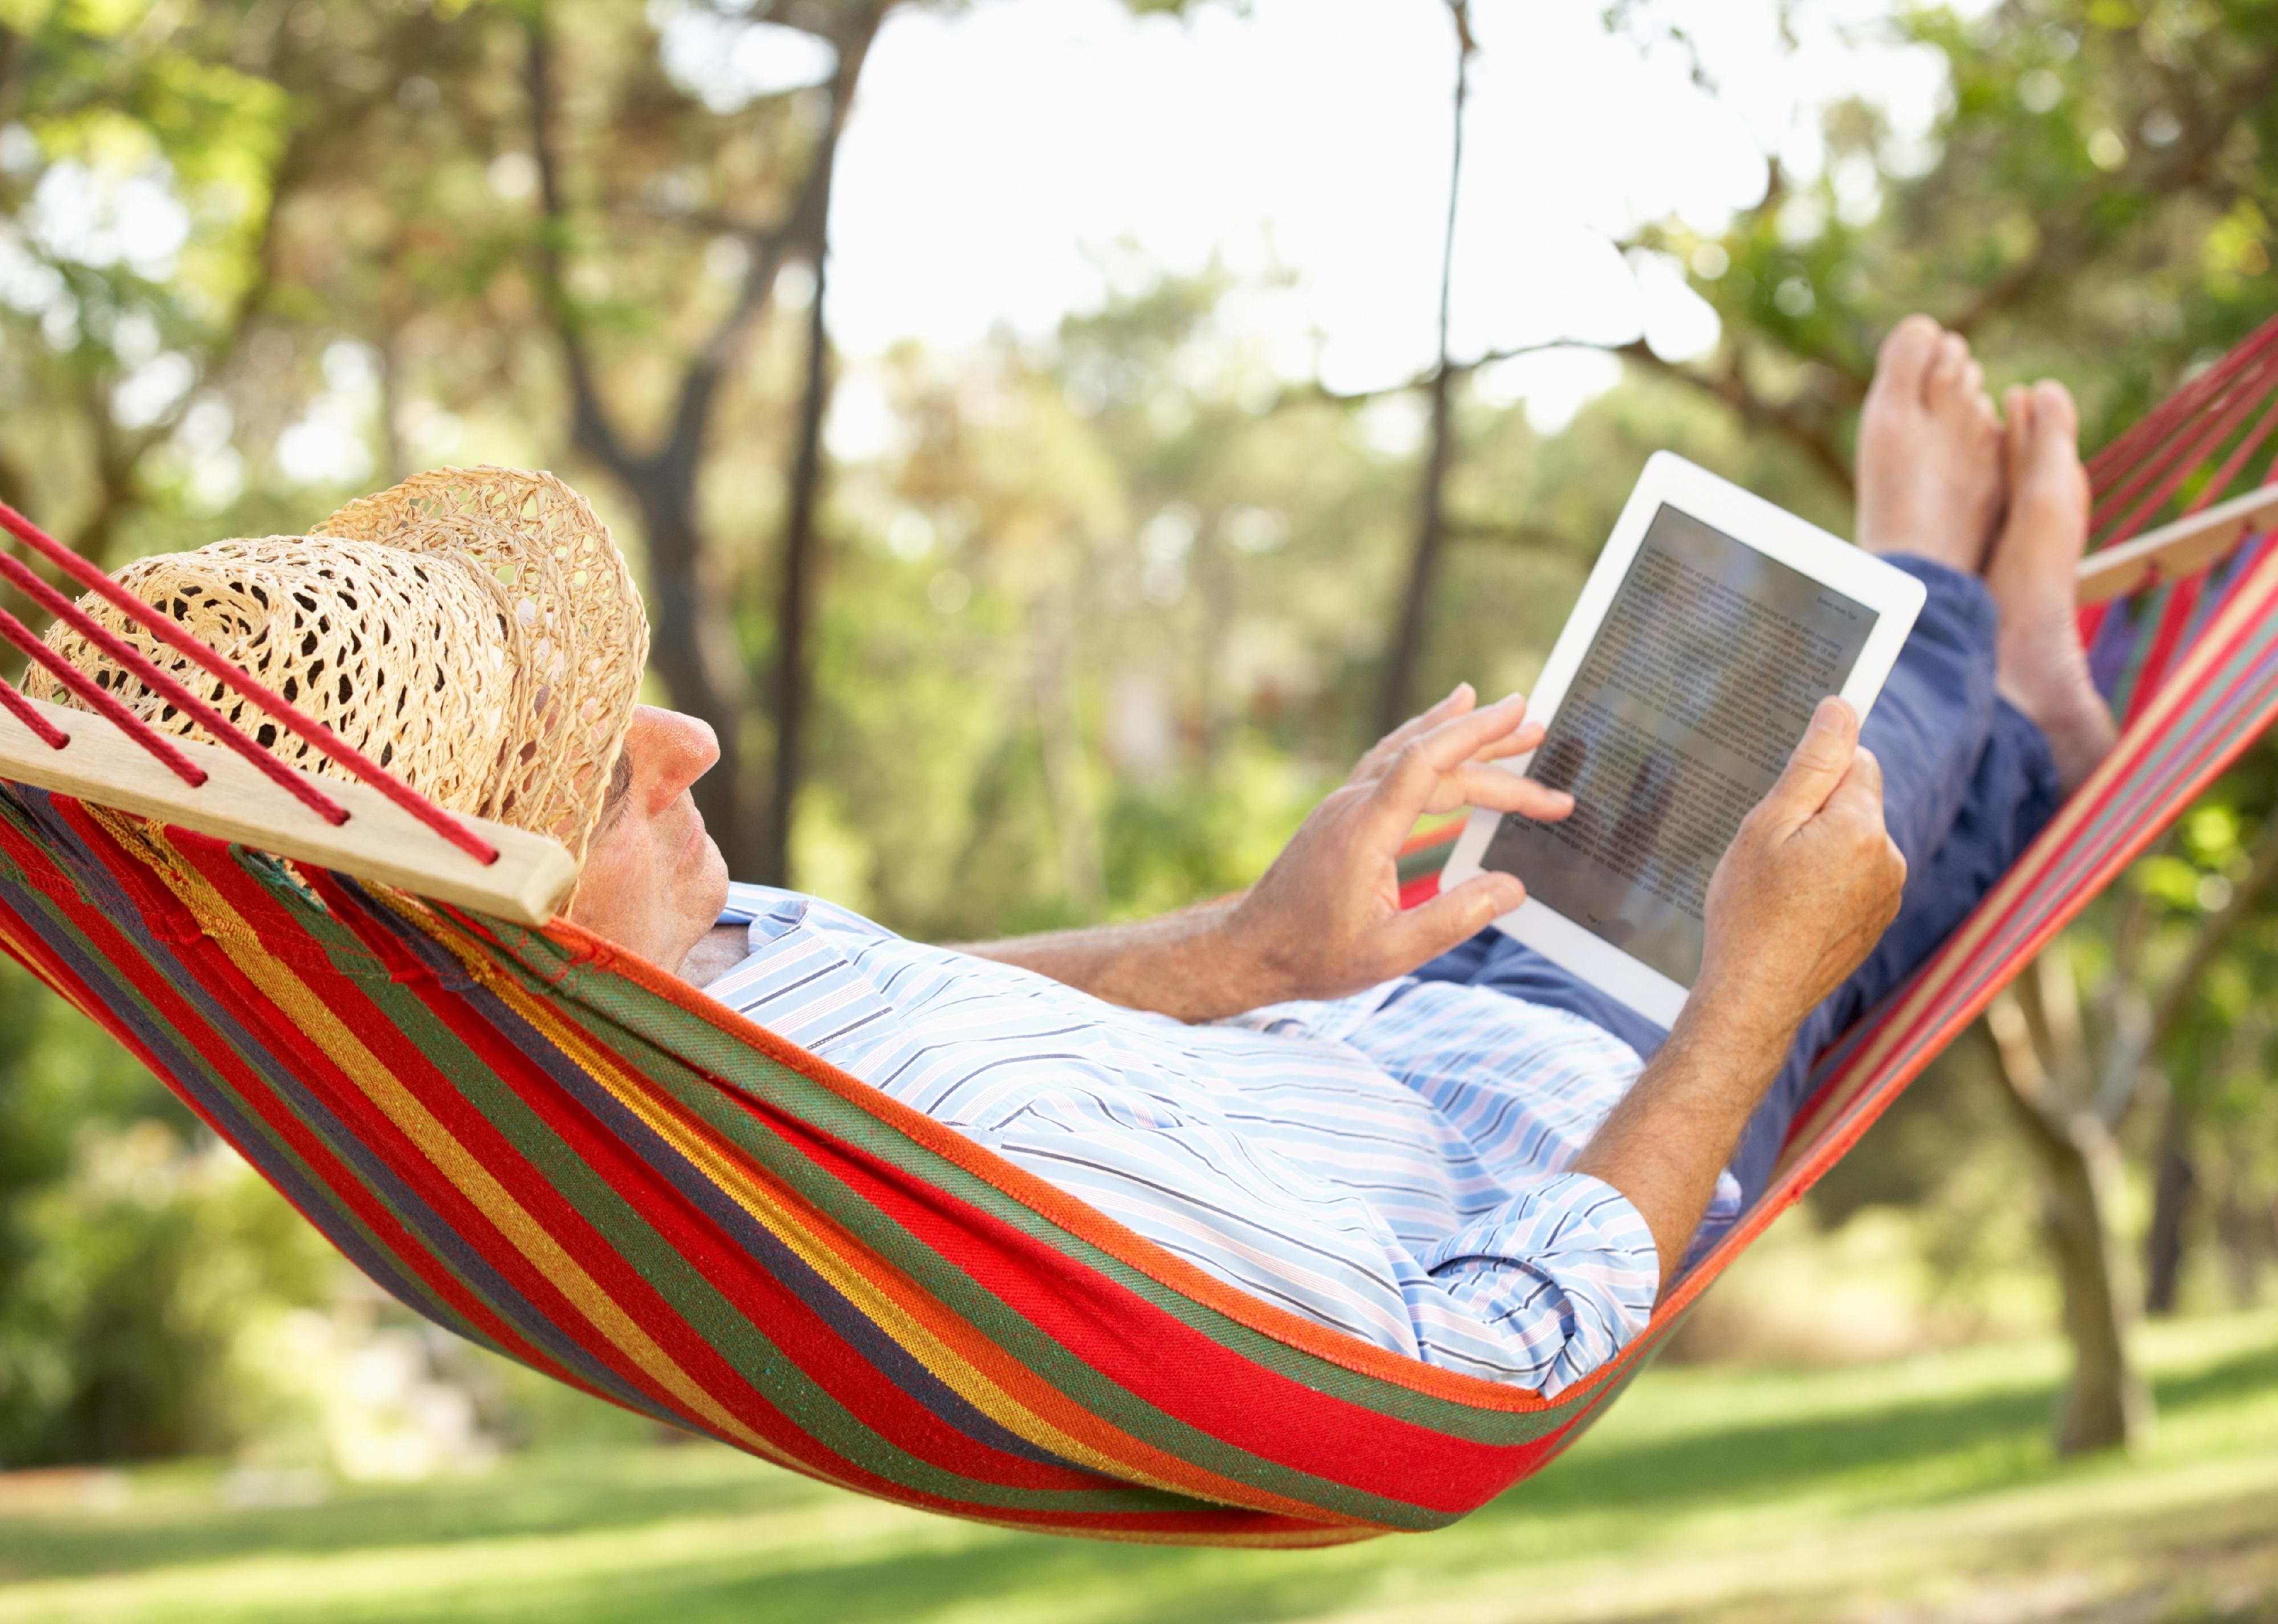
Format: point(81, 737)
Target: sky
point(1007, 160)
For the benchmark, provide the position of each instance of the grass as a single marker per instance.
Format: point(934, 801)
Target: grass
point(1923, 1490)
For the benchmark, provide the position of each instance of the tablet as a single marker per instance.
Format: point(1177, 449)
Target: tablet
point(1712, 626)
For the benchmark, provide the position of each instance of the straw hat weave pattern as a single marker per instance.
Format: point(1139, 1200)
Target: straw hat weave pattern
point(473, 630)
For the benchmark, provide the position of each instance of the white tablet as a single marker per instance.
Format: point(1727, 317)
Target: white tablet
point(1712, 626)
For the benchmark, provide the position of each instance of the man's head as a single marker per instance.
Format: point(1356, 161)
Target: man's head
point(653, 879)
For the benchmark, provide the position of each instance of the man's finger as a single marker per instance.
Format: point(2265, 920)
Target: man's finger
point(1819, 762)
point(1528, 736)
point(1452, 918)
point(1458, 740)
point(1459, 700)
point(1862, 783)
point(1497, 789)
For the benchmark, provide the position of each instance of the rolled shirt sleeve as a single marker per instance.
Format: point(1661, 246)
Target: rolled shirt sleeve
point(1556, 1281)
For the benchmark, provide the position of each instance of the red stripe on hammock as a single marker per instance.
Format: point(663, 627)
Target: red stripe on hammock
point(1161, 1359)
point(253, 1092)
point(2175, 615)
point(800, 1334)
point(488, 1147)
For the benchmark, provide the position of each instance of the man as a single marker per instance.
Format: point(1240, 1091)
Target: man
point(1425, 1136)
point(1401, 1125)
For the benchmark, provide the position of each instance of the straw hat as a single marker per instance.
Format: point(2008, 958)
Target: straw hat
point(473, 630)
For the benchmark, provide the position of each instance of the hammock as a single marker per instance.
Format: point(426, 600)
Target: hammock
point(553, 1149)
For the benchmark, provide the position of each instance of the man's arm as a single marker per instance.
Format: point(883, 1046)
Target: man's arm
point(1324, 919)
point(1797, 903)
point(1184, 964)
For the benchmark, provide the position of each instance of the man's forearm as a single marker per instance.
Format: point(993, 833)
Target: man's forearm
point(1180, 964)
point(1671, 1137)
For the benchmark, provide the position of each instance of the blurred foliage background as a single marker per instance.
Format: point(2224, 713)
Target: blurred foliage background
point(1087, 631)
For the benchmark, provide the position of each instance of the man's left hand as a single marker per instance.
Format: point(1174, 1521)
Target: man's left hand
point(1325, 920)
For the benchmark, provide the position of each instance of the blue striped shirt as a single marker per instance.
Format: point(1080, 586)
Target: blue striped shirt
point(1391, 1164)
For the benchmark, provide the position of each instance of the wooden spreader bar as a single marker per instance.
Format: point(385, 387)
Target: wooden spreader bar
point(2176, 549)
point(529, 881)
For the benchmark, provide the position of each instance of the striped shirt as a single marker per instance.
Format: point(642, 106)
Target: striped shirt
point(1391, 1164)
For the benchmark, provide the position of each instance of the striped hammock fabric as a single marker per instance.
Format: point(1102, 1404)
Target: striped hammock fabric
point(555, 1150)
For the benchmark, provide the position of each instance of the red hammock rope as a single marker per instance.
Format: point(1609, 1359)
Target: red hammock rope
point(55, 604)
point(2187, 455)
point(302, 727)
point(2153, 435)
point(181, 765)
point(20, 708)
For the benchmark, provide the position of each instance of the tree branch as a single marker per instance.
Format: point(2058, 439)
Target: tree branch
point(804, 226)
point(1731, 387)
point(2061, 244)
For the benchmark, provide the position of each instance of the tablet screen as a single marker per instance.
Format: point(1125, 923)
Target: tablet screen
point(1700, 681)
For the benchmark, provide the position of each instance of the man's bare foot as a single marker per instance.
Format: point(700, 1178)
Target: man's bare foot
point(2040, 666)
point(1931, 475)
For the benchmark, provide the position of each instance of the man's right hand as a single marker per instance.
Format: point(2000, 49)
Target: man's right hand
point(1800, 898)
point(1804, 891)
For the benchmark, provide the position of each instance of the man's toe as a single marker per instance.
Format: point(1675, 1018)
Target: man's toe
point(1906, 356)
point(2055, 418)
point(1949, 370)
point(2018, 404)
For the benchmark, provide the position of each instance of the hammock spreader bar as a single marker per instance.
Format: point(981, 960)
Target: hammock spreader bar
point(378, 828)
point(549, 1147)
point(167, 631)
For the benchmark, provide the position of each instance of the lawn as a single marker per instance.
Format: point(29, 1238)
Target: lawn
point(1916, 1490)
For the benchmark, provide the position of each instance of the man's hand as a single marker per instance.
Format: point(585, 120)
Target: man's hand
point(1806, 890)
point(1326, 919)
point(1799, 899)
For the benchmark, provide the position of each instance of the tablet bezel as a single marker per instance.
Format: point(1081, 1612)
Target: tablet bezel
point(1895, 596)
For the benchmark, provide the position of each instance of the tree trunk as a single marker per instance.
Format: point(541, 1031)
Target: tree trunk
point(2103, 1405)
point(2242, 1229)
point(2175, 1189)
point(695, 652)
point(795, 599)
point(694, 646)
point(1431, 501)
point(1423, 563)
point(1215, 576)
point(394, 460)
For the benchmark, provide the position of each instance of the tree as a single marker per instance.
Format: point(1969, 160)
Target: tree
point(695, 648)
